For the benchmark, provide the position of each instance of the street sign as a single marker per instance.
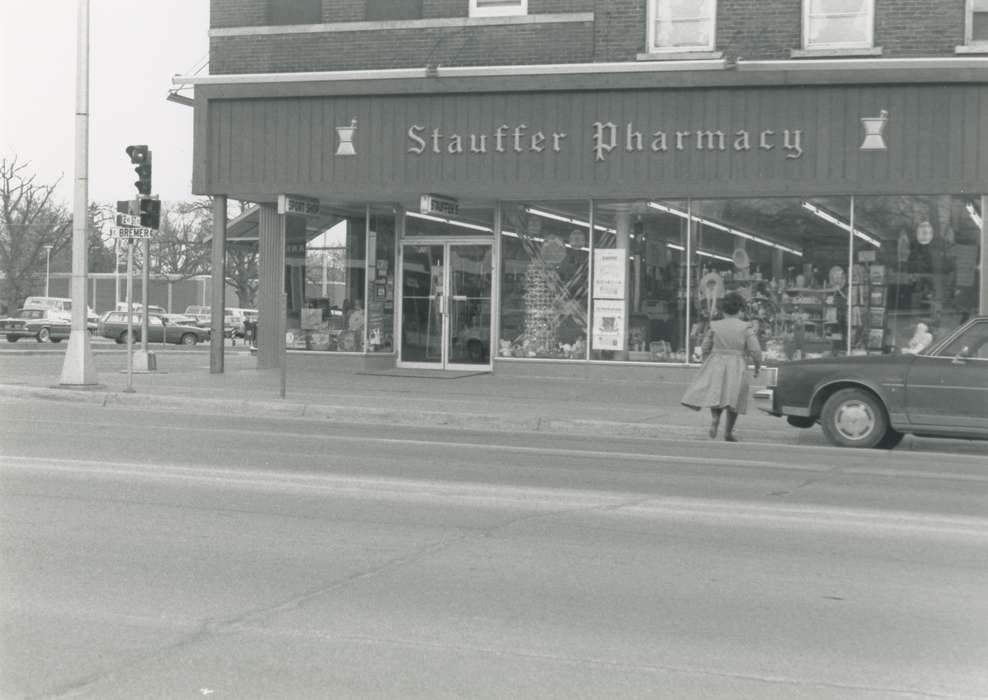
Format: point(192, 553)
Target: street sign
point(128, 220)
point(131, 232)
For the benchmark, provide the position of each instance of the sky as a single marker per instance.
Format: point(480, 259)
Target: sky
point(136, 46)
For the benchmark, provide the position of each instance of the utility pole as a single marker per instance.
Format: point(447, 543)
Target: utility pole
point(78, 368)
point(47, 266)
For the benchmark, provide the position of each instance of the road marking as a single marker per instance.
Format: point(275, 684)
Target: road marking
point(552, 501)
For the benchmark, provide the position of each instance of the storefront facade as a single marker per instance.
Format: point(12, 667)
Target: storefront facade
point(599, 216)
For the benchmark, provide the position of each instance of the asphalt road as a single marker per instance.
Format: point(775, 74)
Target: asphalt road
point(162, 555)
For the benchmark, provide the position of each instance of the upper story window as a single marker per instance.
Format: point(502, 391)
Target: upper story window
point(294, 12)
point(498, 8)
point(681, 25)
point(977, 22)
point(838, 24)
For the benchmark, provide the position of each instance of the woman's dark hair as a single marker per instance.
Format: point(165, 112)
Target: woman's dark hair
point(733, 303)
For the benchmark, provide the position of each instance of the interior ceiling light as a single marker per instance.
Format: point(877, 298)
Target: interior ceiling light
point(451, 222)
point(975, 216)
point(830, 218)
point(566, 219)
point(727, 229)
point(704, 253)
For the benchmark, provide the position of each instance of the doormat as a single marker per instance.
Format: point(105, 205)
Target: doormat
point(422, 373)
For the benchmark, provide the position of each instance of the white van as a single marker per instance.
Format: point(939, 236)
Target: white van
point(152, 309)
point(63, 307)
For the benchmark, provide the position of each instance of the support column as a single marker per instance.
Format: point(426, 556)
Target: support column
point(217, 286)
point(271, 274)
point(983, 272)
point(623, 226)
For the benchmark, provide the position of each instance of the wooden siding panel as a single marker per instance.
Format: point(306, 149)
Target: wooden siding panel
point(935, 136)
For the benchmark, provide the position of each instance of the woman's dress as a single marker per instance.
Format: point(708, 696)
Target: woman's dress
point(722, 381)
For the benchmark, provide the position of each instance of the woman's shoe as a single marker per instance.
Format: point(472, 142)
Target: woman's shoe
point(713, 430)
point(729, 437)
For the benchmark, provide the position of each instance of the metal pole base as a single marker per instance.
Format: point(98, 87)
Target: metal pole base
point(78, 368)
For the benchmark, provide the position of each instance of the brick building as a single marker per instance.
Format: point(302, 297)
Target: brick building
point(509, 183)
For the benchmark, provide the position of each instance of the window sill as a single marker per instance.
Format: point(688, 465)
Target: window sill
point(386, 25)
point(835, 53)
point(981, 48)
point(680, 56)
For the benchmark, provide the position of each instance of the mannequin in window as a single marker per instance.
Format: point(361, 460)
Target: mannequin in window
point(922, 338)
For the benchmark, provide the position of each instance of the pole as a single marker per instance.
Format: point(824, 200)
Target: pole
point(282, 330)
point(78, 368)
point(130, 316)
point(218, 288)
point(47, 267)
point(116, 273)
point(145, 275)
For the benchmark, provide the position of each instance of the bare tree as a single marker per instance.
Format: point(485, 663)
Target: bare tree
point(181, 249)
point(30, 220)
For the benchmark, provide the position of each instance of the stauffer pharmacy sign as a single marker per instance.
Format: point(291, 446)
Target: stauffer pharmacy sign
point(602, 138)
point(682, 142)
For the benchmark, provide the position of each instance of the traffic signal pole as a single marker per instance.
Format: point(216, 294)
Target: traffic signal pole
point(78, 368)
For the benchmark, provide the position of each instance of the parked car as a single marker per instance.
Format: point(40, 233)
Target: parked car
point(46, 325)
point(114, 325)
point(872, 401)
point(62, 306)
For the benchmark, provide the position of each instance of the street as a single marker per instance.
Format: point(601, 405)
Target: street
point(167, 554)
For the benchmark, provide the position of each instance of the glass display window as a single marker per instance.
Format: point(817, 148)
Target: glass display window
point(919, 278)
point(326, 272)
point(545, 268)
point(788, 257)
point(638, 292)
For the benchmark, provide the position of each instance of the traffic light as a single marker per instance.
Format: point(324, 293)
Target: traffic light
point(150, 212)
point(141, 157)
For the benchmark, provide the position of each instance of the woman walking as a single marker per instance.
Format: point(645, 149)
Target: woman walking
point(722, 382)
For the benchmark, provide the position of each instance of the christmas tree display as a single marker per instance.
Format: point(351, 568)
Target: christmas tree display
point(541, 335)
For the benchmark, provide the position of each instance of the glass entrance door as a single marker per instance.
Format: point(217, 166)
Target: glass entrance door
point(446, 316)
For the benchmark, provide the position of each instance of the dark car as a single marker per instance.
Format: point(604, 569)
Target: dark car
point(44, 325)
point(872, 401)
point(114, 325)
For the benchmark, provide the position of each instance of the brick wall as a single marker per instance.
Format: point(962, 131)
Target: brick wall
point(919, 27)
point(498, 45)
point(751, 29)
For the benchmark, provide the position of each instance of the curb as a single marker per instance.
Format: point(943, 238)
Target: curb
point(486, 422)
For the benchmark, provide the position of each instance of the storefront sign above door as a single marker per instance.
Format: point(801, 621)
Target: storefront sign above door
point(437, 204)
point(300, 206)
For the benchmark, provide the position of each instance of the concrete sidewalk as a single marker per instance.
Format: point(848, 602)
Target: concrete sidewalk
point(634, 406)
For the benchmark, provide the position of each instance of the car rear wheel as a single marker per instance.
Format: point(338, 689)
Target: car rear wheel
point(854, 418)
point(189, 339)
point(44, 335)
point(122, 338)
point(12, 338)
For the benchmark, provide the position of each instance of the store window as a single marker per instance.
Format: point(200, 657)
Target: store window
point(838, 24)
point(281, 12)
point(788, 257)
point(381, 255)
point(977, 23)
point(681, 25)
point(545, 266)
point(494, 8)
point(921, 279)
point(325, 281)
point(638, 292)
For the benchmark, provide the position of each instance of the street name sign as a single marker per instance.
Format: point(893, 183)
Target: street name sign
point(131, 232)
point(128, 220)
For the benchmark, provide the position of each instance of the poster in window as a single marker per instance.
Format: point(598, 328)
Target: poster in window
point(609, 267)
point(608, 324)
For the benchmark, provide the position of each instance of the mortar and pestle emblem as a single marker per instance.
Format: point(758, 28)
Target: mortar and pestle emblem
point(345, 134)
point(874, 126)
